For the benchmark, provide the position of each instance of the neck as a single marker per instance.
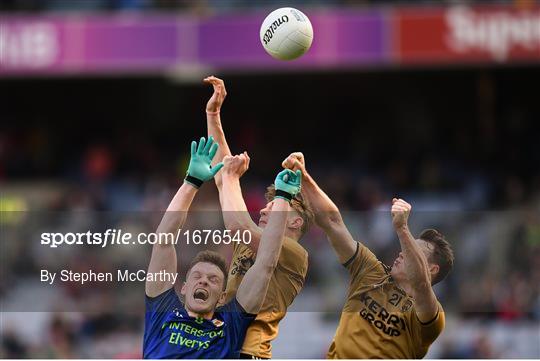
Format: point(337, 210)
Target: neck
point(405, 285)
point(291, 235)
point(206, 316)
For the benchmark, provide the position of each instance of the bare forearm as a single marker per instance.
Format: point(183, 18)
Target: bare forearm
point(235, 213)
point(252, 290)
point(215, 129)
point(326, 212)
point(164, 253)
point(234, 208)
point(416, 265)
point(328, 217)
point(176, 213)
point(272, 236)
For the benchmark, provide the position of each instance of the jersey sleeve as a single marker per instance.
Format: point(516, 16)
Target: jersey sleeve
point(427, 332)
point(361, 263)
point(239, 321)
point(157, 307)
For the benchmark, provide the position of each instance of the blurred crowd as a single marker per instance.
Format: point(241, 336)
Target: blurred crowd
point(213, 6)
point(469, 168)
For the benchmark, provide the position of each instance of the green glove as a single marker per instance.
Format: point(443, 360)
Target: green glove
point(288, 184)
point(200, 169)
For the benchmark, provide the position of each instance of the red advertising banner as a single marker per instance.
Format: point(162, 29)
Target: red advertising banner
point(466, 35)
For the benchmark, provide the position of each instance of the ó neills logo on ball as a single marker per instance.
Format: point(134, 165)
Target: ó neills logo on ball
point(272, 28)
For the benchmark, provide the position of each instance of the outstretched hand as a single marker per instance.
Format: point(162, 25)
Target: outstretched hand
point(201, 159)
point(216, 101)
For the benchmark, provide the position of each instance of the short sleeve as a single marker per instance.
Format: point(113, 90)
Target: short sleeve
point(156, 307)
point(238, 320)
point(429, 331)
point(361, 263)
point(235, 310)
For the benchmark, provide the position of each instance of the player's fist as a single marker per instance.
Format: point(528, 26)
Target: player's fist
point(400, 212)
point(295, 161)
point(236, 165)
point(216, 101)
point(288, 184)
point(200, 169)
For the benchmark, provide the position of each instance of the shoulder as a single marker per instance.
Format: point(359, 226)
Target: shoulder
point(161, 308)
point(364, 261)
point(163, 301)
point(233, 311)
point(293, 258)
point(292, 246)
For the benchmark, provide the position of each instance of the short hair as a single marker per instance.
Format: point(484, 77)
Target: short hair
point(213, 258)
point(441, 255)
point(299, 203)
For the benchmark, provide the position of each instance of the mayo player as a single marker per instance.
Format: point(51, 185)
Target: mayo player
point(196, 327)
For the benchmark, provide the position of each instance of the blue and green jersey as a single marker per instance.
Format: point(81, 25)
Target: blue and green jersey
point(170, 332)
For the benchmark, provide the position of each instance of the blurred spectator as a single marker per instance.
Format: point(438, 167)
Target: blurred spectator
point(211, 6)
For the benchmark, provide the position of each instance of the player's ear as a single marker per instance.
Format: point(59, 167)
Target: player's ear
point(221, 299)
point(183, 289)
point(434, 270)
point(295, 222)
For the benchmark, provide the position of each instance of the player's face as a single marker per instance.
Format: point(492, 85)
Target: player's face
point(265, 214)
point(398, 268)
point(203, 288)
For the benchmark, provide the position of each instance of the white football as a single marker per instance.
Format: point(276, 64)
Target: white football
point(286, 33)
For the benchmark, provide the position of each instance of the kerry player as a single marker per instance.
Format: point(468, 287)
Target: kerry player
point(390, 312)
point(288, 278)
point(196, 328)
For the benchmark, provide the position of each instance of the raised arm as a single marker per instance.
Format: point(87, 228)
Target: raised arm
point(252, 290)
point(235, 213)
point(213, 121)
point(327, 215)
point(415, 262)
point(164, 254)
